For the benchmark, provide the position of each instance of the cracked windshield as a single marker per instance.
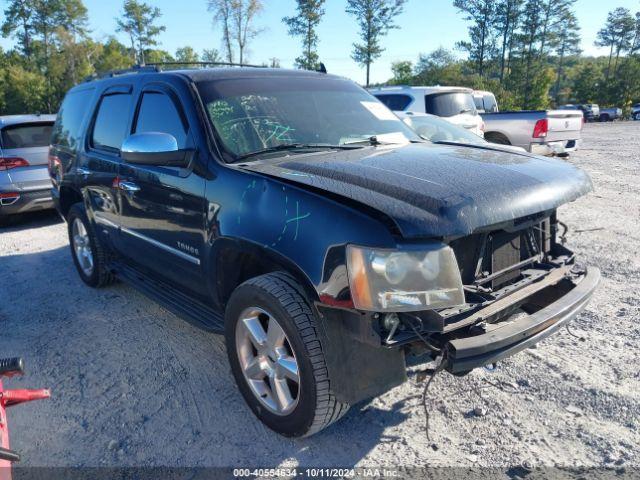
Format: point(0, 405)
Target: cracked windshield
point(251, 117)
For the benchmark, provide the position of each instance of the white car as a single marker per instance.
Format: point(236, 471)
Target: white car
point(437, 130)
point(454, 104)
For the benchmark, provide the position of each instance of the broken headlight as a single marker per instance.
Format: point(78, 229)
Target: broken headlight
point(427, 278)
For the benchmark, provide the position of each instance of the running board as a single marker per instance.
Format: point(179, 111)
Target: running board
point(177, 302)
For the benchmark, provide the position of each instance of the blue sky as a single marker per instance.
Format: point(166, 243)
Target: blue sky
point(425, 25)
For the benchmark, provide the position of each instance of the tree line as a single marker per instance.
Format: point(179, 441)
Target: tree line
point(526, 51)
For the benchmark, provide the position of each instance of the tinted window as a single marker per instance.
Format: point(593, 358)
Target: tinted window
point(25, 136)
point(73, 111)
point(450, 104)
point(111, 122)
point(158, 113)
point(395, 102)
point(490, 104)
point(478, 102)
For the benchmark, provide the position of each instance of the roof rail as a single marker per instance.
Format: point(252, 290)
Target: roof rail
point(157, 67)
point(123, 71)
point(202, 64)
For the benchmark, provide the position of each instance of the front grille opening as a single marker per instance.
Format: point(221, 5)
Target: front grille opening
point(498, 258)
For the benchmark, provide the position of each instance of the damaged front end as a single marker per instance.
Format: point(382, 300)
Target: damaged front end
point(520, 285)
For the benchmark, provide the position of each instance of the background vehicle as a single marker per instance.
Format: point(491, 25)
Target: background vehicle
point(635, 111)
point(553, 132)
point(590, 112)
point(294, 212)
point(610, 114)
point(24, 179)
point(485, 101)
point(454, 104)
point(10, 367)
point(437, 130)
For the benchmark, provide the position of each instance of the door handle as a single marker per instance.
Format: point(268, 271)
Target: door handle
point(83, 171)
point(129, 187)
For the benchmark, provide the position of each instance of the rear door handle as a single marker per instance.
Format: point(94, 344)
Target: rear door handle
point(129, 187)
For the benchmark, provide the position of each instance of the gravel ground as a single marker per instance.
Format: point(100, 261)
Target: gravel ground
point(134, 385)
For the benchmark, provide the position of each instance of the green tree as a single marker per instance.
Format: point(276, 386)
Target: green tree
point(24, 91)
point(18, 21)
point(507, 17)
point(304, 24)
point(187, 55)
point(222, 13)
point(244, 14)
point(402, 73)
point(439, 67)
point(138, 20)
point(568, 43)
point(237, 18)
point(482, 42)
point(375, 18)
point(112, 55)
point(211, 55)
point(617, 34)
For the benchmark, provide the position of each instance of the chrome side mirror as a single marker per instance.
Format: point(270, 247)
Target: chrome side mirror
point(154, 148)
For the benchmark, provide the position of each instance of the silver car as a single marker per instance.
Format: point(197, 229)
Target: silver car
point(24, 177)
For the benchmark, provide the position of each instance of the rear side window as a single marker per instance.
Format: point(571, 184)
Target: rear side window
point(73, 111)
point(159, 113)
point(395, 102)
point(27, 136)
point(112, 119)
point(490, 104)
point(450, 104)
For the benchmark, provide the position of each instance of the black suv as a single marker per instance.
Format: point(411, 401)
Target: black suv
point(293, 212)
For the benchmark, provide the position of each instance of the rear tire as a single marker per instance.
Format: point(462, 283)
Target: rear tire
point(88, 254)
point(304, 409)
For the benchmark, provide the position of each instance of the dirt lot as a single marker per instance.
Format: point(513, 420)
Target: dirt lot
point(134, 385)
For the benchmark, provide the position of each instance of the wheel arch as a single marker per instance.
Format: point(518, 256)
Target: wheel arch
point(234, 261)
point(497, 135)
point(69, 196)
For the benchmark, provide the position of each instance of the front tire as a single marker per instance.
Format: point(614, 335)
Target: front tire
point(276, 356)
point(88, 253)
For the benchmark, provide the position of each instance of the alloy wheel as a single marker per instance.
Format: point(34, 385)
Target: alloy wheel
point(82, 247)
point(267, 361)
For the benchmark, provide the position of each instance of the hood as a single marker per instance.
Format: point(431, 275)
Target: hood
point(436, 190)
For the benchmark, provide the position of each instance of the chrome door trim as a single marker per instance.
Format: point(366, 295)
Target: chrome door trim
point(128, 187)
point(163, 246)
point(100, 219)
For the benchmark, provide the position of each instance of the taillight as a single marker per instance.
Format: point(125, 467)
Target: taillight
point(7, 163)
point(541, 128)
point(9, 198)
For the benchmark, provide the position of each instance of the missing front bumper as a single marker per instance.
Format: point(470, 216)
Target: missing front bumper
point(466, 353)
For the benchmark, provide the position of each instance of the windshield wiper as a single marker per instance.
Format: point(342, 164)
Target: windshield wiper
point(294, 146)
point(373, 140)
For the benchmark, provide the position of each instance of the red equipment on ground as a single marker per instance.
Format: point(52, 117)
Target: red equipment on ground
point(10, 367)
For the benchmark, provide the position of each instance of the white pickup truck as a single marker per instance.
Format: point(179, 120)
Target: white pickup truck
point(544, 132)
